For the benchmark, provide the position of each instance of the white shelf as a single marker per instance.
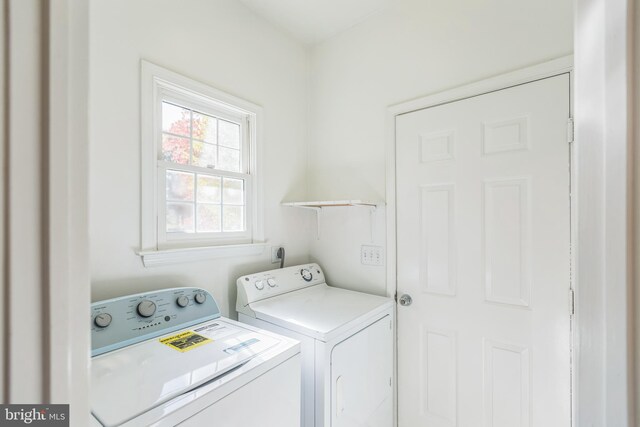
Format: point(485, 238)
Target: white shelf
point(319, 205)
point(332, 204)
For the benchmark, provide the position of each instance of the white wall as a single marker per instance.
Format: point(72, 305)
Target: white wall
point(413, 49)
point(220, 43)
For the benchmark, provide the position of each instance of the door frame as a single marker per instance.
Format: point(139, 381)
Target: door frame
point(45, 61)
point(69, 282)
point(563, 65)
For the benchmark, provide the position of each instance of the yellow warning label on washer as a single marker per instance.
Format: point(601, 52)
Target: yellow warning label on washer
point(185, 341)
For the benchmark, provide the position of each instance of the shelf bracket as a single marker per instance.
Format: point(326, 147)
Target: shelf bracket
point(318, 215)
point(372, 220)
point(372, 217)
point(318, 211)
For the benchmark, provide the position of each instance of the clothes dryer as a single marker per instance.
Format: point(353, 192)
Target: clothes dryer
point(346, 342)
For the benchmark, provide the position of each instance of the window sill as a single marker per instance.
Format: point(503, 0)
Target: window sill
point(177, 256)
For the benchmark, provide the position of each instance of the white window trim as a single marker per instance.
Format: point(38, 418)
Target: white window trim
point(154, 79)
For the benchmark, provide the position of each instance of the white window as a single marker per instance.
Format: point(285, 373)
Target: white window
point(200, 160)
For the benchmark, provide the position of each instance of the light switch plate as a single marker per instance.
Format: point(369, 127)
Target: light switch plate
point(372, 255)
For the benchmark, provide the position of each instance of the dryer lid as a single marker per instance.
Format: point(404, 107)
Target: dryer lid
point(320, 311)
point(128, 382)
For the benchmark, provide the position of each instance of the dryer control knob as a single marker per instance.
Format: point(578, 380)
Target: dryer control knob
point(271, 282)
point(146, 308)
point(259, 285)
point(200, 297)
point(102, 320)
point(306, 274)
point(182, 301)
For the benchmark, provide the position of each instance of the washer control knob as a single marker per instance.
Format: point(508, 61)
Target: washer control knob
point(271, 282)
point(306, 274)
point(102, 320)
point(182, 301)
point(146, 308)
point(200, 297)
point(259, 285)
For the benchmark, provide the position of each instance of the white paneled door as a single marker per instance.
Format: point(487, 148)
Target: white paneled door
point(483, 237)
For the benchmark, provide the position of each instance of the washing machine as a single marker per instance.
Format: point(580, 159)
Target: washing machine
point(168, 358)
point(346, 342)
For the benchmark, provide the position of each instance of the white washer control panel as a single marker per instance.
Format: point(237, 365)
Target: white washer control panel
point(267, 284)
point(123, 321)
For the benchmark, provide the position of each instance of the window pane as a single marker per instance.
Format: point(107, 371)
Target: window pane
point(179, 218)
point(229, 134)
point(204, 154)
point(208, 218)
point(205, 127)
point(233, 191)
point(175, 119)
point(228, 159)
point(175, 150)
point(233, 218)
point(179, 186)
point(208, 189)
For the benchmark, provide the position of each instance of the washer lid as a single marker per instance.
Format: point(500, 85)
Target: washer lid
point(128, 382)
point(320, 311)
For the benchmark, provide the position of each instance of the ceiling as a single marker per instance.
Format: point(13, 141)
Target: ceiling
point(312, 21)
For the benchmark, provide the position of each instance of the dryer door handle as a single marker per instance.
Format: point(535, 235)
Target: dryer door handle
point(339, 396)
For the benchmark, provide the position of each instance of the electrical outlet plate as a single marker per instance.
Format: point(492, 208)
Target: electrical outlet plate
point(372, 255)
point(274, 254)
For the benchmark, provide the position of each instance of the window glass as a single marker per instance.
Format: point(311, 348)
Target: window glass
point(201, 178)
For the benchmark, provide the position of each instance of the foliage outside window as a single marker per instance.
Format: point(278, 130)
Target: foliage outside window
point(203, 200)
